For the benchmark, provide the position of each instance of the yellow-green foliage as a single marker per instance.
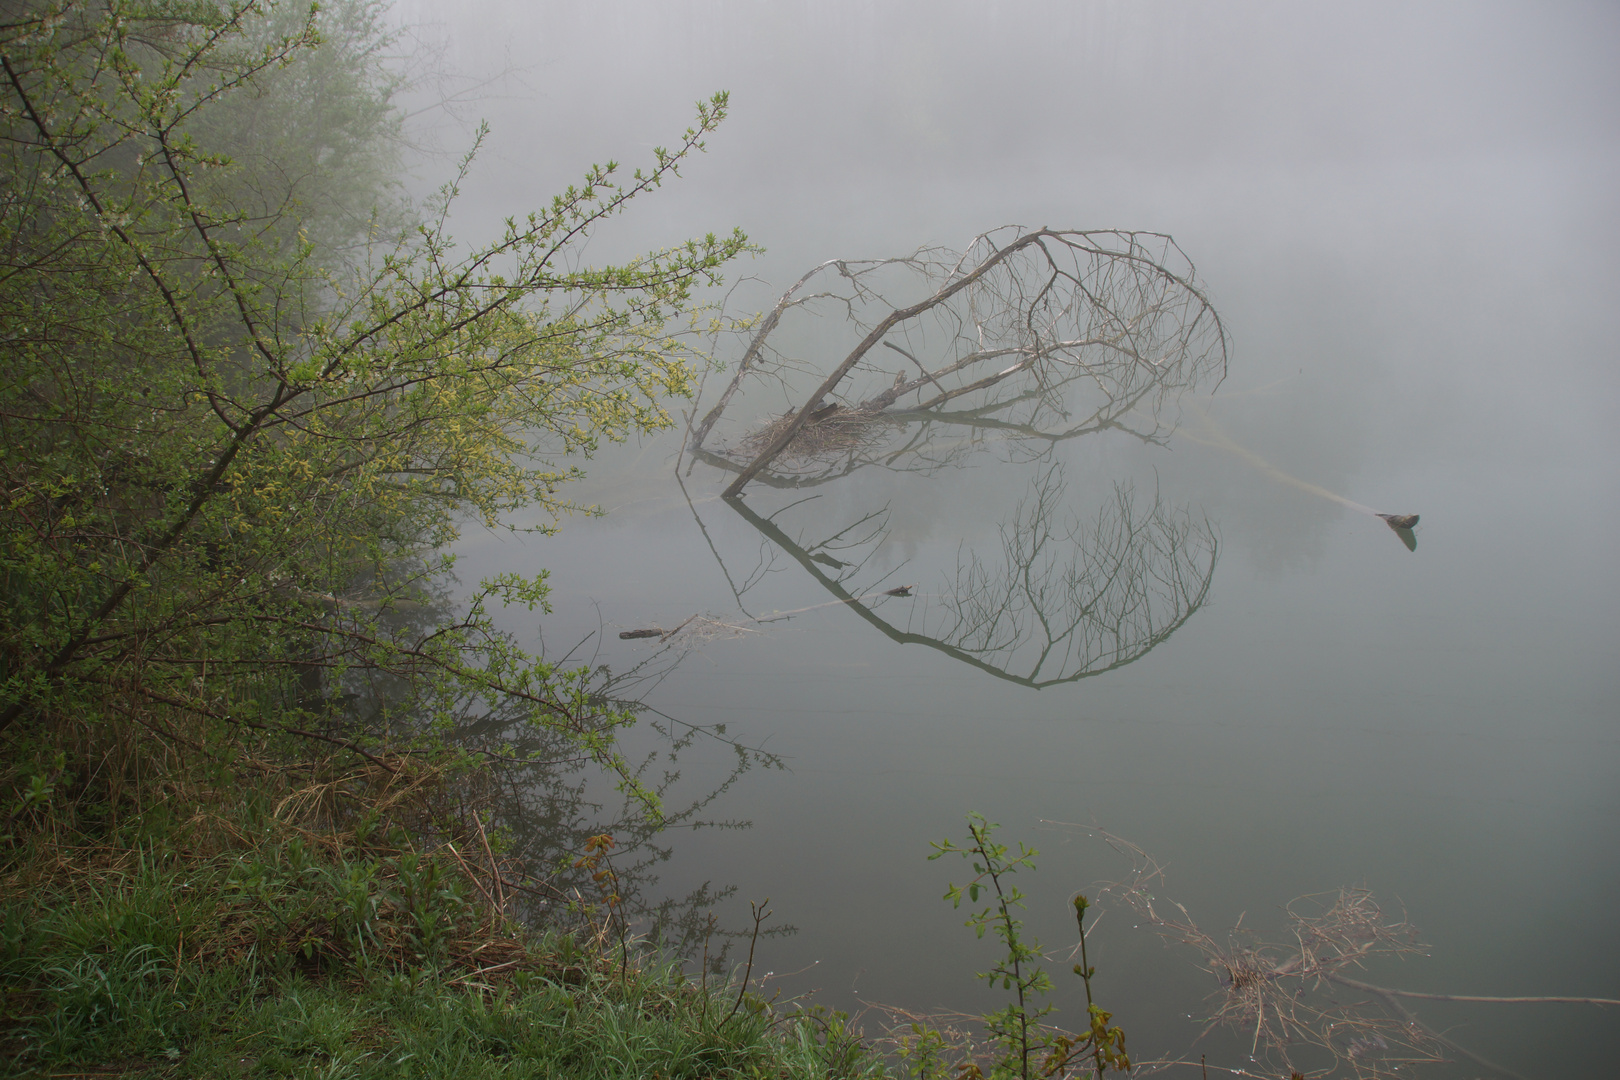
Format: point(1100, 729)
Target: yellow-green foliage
point(241, 377)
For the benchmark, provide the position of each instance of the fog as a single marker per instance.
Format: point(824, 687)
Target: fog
point(1406, 216)
point(1426, 137)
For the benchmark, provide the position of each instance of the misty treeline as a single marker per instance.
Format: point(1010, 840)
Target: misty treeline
point(248, 388)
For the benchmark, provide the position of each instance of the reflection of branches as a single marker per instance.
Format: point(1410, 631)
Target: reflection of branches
point(1064, 601)
point(1081, 599)
point(540, 794)
point(1024, 332)
point(1026, 340)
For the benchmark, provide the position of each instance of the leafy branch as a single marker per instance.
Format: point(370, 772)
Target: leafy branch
point(246, 384)
point(1017, 1029)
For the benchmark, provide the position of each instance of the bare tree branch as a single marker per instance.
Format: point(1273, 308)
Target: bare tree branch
point(1022, 322)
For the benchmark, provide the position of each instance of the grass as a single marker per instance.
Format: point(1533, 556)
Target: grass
point(167, 929)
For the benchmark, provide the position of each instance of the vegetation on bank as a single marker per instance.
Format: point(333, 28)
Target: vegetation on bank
point(283, 915)
point(277, 920)
point(249, 392)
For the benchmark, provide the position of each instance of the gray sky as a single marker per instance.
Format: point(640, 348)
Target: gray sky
point(1406, 215)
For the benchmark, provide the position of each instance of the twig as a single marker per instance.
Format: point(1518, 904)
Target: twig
point(1359, 985)
point(677, 630)
point(703, 974)
point(482, 971)
point(760, 915)
point(928, 374)
point(471, 876)
point(494, 867)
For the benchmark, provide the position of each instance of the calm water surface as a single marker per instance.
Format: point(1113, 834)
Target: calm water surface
point(1407, 222)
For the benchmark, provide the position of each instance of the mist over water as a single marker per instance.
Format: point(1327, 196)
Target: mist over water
point(1405, 217)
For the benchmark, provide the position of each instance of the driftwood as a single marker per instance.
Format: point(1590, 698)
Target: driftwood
point(1402, 525)
point(1026, 340)
point(655, 632)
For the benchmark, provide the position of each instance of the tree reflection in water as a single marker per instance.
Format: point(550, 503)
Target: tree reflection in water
point(1026, 341)
point(1063, 599)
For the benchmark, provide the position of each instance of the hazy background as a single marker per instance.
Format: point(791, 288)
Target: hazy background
point(1283, 139)
point(1406, 216)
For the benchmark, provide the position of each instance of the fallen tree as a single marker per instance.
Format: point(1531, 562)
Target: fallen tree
point(1039, 335)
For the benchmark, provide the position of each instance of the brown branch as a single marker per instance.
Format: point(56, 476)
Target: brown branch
point(746, 363)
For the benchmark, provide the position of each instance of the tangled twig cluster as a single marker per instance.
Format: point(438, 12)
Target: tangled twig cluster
point(833, 435)
point(1294, 997)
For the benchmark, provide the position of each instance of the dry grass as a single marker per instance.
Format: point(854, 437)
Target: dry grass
point(326, 914)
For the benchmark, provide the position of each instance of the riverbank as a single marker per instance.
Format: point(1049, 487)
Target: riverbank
point(289, 917)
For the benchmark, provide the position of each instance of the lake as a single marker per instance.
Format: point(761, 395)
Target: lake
point(1405, 221)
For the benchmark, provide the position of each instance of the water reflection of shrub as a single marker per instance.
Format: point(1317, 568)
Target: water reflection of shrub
point(547, 803)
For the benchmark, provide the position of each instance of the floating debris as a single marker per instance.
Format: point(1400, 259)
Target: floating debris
point(1365, 1045)
point(704, 628)
point(1402, 524)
